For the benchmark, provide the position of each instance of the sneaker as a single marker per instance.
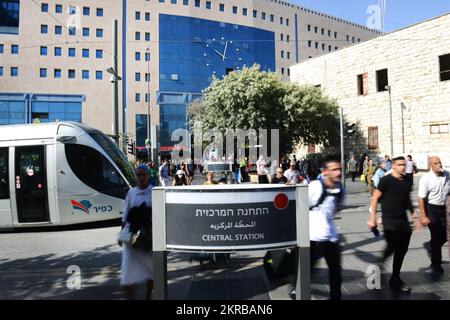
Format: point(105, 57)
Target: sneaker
point(435, 269)
point(399, 286)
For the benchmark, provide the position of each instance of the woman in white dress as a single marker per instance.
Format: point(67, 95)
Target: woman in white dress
point(137, 265)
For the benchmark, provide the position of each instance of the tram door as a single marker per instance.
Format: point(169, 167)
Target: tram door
point(5, 202)
point(31, 184)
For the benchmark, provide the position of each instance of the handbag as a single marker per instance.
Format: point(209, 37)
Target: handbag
point(363, 178)
point(140, 226)
point(125, 235)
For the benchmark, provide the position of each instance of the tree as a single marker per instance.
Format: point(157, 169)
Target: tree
point(254, 99)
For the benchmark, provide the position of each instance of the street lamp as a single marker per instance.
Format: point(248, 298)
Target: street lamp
point(115, 78)
point(389, 89)
point(341, 122)
point(147, 79)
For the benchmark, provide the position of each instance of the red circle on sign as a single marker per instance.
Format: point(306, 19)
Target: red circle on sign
point(281, 201)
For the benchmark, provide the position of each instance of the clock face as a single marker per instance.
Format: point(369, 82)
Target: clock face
point(223, 55)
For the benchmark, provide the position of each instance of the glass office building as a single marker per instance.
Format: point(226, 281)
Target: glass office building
point(192, 52)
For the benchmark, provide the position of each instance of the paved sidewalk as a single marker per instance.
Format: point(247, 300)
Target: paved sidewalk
point(34, 265)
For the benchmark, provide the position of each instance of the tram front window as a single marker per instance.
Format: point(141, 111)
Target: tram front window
point(115, 154)
point(95, 170)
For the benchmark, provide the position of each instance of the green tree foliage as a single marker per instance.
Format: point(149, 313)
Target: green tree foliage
point(250, 98)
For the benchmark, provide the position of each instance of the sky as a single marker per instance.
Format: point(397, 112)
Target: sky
point(399, 13)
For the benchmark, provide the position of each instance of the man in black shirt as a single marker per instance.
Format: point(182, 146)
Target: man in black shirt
point(394, 194)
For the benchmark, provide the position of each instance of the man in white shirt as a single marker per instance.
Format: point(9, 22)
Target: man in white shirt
point(292, 174)
point(325, 196)
point(433, 190)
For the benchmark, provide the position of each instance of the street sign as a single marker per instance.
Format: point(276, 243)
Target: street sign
point(218, 167)
point(230, 219)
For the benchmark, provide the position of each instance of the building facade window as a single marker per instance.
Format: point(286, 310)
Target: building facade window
point(99, 75)
point(244, 11)
point(137, 35)
point(71, 74)
point(360, 84)
point(186, 2)
point(58, 8)
point(222, 7)
point(44, 7)
point(85, 32)
point(86, 11)
point(147, 36)
point(147, 56)
point(57, 73)
point(44, 29)
point(72, 31)
point(43, 72)
point(99, 33)
point(72, 10)
point(85, 53)
point(382, 80)
point(439, 129)
point(14, 49)
point(58, 30)
point(137, 56)
point(137, 77)
point(2, 48)
point(71, 52)
point(14, 71)
point(1, 71)
point(85, 74)
point(99, 53)
point(235, 10)
point(208, 5)
point(99, 12)
point(57, 51)
point(137, 15)
point(137, 97)
point(444, 67)
point(43, 51)
point(197, 3)
point(147, 16)
point(373, 138)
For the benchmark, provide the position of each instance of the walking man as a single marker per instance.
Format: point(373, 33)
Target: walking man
point(411, 169)
point(433, 190)
point(164, 174)
point(325, 196)
point(351, 167)
point(394, 192)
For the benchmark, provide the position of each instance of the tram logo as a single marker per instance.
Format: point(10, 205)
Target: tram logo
point(83, 205)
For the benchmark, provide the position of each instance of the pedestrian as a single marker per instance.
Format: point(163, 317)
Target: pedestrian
point(388, 165)
point(447, 206)
point(394, 194)
point(325, 196)
point(411, 169)
point(434, 187)
point(273, 169)
point(292, 174)
point(362, 160)
point(279, 177)
point(261, 170)
point(137, 265)
point(365, 164)
point(369, 173)
point(180, 179)
point(381, 171)
point(351, 167)
point(164, 173)
point(243, 169)
point(209, 179)
point(153, 174)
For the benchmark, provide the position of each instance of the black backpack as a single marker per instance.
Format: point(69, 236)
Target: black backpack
point(279, 264)
point(325, 193)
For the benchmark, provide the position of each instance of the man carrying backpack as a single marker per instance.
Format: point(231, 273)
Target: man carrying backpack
point(325, 196)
